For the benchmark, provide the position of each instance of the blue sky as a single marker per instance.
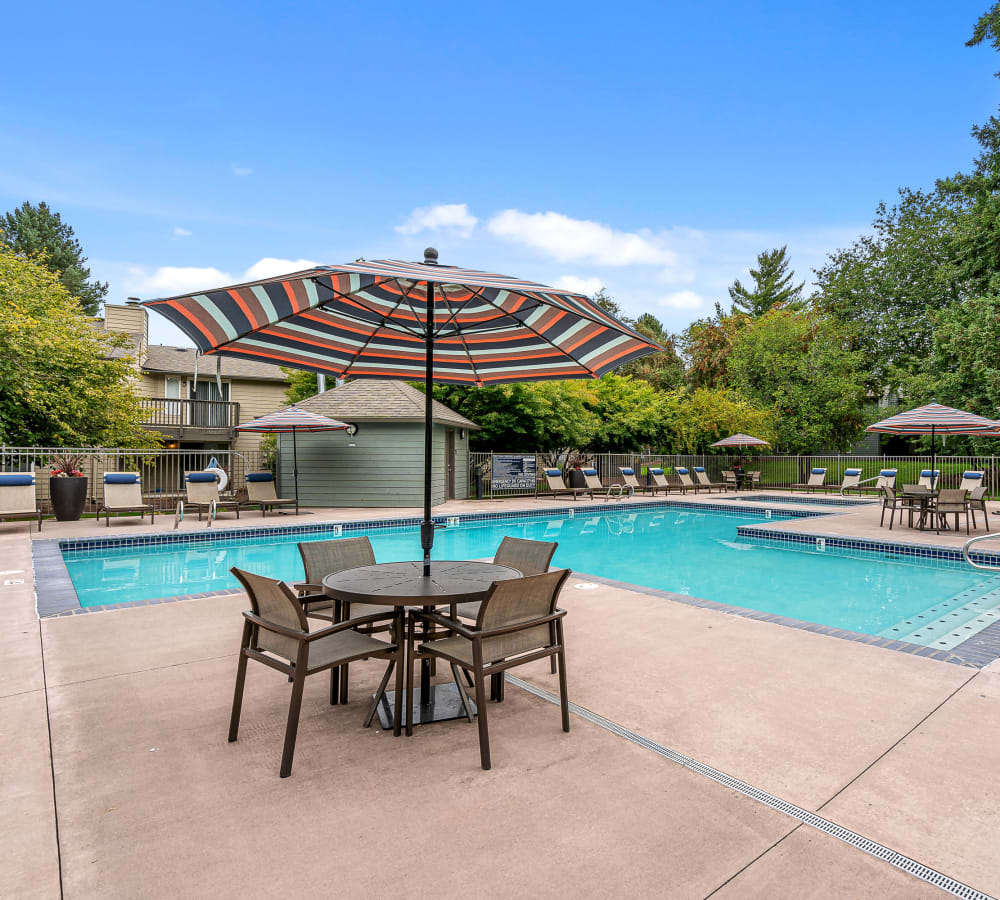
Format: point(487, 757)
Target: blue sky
point(651, 148)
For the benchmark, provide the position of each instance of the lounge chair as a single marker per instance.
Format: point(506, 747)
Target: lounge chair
point(628, 476)
point(202, 490)
point(518, 623)
point(593, 481)
point(971, 480)
point(557, 487)
point(929, 478)
point(851, 481)
point(706, 482)
point(276, 633)
point(660, 482)
point(17, 497)
point(686, 481)
point(815, 483)
point(886, 479)
point(123, 493)
point(260, 491)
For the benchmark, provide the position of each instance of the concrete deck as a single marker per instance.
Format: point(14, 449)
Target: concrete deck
point(114, 727)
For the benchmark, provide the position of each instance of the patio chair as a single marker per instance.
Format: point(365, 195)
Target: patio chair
point(557, 487)
point(886, 478)
point(202, 490)
point(706, 482)
point(730, 480)
point(851, 481)
point(593, 482)
point(815, 483)
point(951, 502)
point(276, 633)
point(518, 622)
point(260, 492)
point(528, 557)
point(929, 478)
point(971, 480)
point(660, 482)
point(755, 478)
point(894, 501)
point(17, 497)
point(685, 479)
point(977, 500)
point(123, 493)
point(628, 475)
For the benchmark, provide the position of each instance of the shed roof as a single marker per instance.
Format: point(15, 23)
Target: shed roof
point(380, 401)
point(180, 360)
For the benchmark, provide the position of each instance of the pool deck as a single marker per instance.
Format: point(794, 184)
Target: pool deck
point(118, 780)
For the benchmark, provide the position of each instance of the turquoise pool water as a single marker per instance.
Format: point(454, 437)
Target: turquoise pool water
point(697, 553)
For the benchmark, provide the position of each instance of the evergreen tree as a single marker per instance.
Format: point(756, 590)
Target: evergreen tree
point(37, 231)
point(773, 285)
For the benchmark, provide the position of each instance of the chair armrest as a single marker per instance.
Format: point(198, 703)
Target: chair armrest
point(345, 626)
point(521, 626)
point(444, 621)
point(307, 587)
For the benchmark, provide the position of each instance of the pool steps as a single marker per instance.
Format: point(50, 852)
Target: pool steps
point(949, 622)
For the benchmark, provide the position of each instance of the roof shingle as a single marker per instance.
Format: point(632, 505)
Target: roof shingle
point(180, 360)
point(373, 401)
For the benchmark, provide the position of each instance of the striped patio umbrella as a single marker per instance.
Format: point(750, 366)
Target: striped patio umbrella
point(741, 440)
point(935, 419)
point(410, 321)
point(292, 419)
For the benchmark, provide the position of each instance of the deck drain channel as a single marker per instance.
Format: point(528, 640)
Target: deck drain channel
point(873, 848)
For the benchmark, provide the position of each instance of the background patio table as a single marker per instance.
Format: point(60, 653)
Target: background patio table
point(403, 584)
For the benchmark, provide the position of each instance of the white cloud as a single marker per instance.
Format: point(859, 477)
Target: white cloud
point(167, 281)
point(580, 240)
point(682, 300)
point(181, 232)
point(453, 217)
point(241, 171)
point(270, 266)
point(575, 283)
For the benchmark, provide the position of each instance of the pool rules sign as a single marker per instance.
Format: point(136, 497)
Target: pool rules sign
point(513, 472)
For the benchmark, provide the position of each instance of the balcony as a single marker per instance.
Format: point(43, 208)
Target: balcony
point(191, 419)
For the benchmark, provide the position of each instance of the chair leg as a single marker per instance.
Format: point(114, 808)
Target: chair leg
point(294, 707)
point(461, 691)
point(484, 732)
point(343, 683)
point(241, 677)
point(563, 693)
point(334, 686)
point(409, 678)
point(397, 712)
point(373, 706)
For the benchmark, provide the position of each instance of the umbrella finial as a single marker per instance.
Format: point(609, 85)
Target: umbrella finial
point(430, 257)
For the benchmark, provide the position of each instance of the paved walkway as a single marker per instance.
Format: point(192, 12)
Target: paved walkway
point(114, 725)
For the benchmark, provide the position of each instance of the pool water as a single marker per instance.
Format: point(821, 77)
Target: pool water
point(691, 552)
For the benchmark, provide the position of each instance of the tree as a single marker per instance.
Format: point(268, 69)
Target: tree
point(59, 385)
point(799, 363)
point(707, 344)
point(693, 420)
point(38, 232)
point(301, 384)
point(629, 415)
point(665, 370)
point(773, 285)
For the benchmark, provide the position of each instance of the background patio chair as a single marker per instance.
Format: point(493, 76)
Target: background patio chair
point(729, 477)
point(260, 491)
point(593, 481)
point(628, 475)
point(322, 558)
point(971, 480)
point(17, 497)
point(886, 478)
point(817, 476)
point(851, 481)
point(893, 501)
point(276, 633)
point(685, 479)
point(123, 493)
point(202, 489)
point(661, 482)
point(929, 478)
point(706, 482)
point(518, 623)
point(557, 487)
point(977, 500)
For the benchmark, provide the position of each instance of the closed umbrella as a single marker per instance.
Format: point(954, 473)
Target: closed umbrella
point(292, 419)
point(410, 321)
point(935, 419)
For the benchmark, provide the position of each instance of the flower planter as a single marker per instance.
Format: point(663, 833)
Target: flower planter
point(577, 479)
point(68, 496)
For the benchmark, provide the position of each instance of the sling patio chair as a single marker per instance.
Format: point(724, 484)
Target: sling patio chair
point(851, 481)
point(886, 478)
point(949, 502)
point(977, 500)
point(518, 622)
point(730, 480)
point(557, 487)
point(929, 478)
point(686, 482)
point(971, 480)
point(817, 476)
point(17, 497)
point(628, 476)
point(123, 493)
point(276, 633)
point(706, 482)
point(260, 492)
point(895, 501)
point(529, 558)
point(660, 482)
point(202, 490)
point(593, 482)
point(322, 558)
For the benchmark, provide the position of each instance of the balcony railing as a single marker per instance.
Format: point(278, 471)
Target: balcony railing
point(166, 413)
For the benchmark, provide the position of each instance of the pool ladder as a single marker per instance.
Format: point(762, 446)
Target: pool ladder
point(975, 540)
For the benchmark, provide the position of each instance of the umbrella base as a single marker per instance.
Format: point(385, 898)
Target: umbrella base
point(444, 704)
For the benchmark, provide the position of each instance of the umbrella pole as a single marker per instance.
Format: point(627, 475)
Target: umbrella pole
point(933, 459)
point(295, 469)
point(427, 526)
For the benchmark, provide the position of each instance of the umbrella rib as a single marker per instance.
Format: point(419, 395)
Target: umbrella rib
point(371, 337)
point(545, 340)
point(454, 312)
point(384, 323)
point(461, 337)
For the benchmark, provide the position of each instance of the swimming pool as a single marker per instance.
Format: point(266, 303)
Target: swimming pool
point(692, 552)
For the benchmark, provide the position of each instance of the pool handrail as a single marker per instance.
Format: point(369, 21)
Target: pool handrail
point(965, 551)
point(856, 486)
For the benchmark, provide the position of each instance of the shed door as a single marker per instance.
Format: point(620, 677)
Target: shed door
point(449, 463)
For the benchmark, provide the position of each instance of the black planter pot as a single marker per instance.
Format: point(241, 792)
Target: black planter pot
point(68, 497)
point(576, 479)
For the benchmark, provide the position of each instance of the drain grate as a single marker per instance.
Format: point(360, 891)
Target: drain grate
point(873, 848)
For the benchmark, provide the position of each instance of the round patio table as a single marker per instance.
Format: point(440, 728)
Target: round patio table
point(403, 584)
